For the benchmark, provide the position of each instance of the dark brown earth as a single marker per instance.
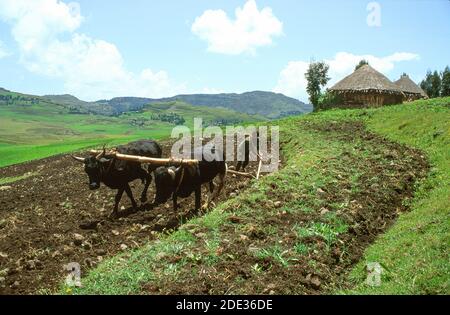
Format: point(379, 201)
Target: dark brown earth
point(368, 205)
point(41, 216)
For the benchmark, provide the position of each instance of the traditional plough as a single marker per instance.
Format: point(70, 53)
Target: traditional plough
point(168, 161)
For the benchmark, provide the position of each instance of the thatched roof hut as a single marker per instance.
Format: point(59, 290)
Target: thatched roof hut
point(412, 90)
point(367, 87)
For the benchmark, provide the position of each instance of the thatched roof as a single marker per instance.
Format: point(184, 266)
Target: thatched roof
point(408, 86)
point(366, 79)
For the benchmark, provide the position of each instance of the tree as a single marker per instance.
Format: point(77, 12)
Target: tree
point(445, 82)
point(317, 77)
point(435, 84)
point(426, 84)
point(361, 63)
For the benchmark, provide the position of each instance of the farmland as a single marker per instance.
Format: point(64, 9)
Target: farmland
point(356, 186)
point(32, 127)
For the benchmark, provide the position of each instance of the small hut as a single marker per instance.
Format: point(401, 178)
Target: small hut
point(367, 87)
point(412, 90)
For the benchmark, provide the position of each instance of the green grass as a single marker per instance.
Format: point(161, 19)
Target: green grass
point(414, 251)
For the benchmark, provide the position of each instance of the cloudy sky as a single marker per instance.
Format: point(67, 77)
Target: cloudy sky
point(97, 49)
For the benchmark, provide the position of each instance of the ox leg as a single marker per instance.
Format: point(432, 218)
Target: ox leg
point(244, 166)
point(148, 180)
point(174, 200)
point(208, 200)
point(220, 183)
point(198, 197)
point(117, 200)
point(130, 195)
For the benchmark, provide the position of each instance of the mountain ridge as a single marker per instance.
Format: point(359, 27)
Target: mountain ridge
point(268, 104)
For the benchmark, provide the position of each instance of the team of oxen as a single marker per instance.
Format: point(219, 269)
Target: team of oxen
point(170, 180)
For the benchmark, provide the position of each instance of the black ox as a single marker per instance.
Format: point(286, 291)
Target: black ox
point(184, 180)
point(117, 174)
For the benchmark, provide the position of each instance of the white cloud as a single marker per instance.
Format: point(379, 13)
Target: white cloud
point(251, 28)
point(45, 31)
point(3, 52)
point(292, 80)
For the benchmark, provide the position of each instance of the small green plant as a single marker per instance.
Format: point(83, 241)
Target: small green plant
point(326, 231)
point(276, 253)
point(301, 249)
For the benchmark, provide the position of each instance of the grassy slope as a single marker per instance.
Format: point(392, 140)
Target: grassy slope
point(414, 249)
point(30, 131)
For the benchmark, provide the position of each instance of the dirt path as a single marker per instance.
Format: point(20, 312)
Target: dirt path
point(52, 219)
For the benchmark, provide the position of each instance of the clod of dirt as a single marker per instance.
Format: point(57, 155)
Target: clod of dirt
point(78, 239)
point(277, 204)
point(313, 281)
point(89, 225)
point(86, 245)
point(56, 254)
point(88, 262)
point(234, 219)
point(115, 232)
point(123, 247)
point(101, 252)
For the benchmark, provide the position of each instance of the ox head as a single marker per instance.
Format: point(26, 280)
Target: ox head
point(93, 168)
point(165, 183)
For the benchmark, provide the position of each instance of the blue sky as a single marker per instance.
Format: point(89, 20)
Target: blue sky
point(98, 49)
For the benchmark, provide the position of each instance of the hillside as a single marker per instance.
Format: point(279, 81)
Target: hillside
point(356, 186)
point(267, 104)
point(35, 127)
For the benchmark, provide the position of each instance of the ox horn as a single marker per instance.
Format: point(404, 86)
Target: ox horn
point(79, 159)
point(102, 154)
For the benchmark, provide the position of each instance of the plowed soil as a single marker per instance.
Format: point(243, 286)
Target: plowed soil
point(52, 219)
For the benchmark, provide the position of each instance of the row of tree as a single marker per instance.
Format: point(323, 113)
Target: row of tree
point(172, 118)
point(437, 84)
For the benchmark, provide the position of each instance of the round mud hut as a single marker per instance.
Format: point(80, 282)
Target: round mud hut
point(366, 87)
point(411, 90)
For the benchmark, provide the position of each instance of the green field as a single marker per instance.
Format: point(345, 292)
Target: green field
point(413, 252)
point(32, 128)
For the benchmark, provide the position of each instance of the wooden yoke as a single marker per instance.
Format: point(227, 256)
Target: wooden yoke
point(148, 160)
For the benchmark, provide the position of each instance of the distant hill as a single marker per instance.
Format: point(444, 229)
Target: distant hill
point(267, 104)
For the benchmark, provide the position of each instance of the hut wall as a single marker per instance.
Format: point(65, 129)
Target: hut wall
point(369, 99)
point(412, 96)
